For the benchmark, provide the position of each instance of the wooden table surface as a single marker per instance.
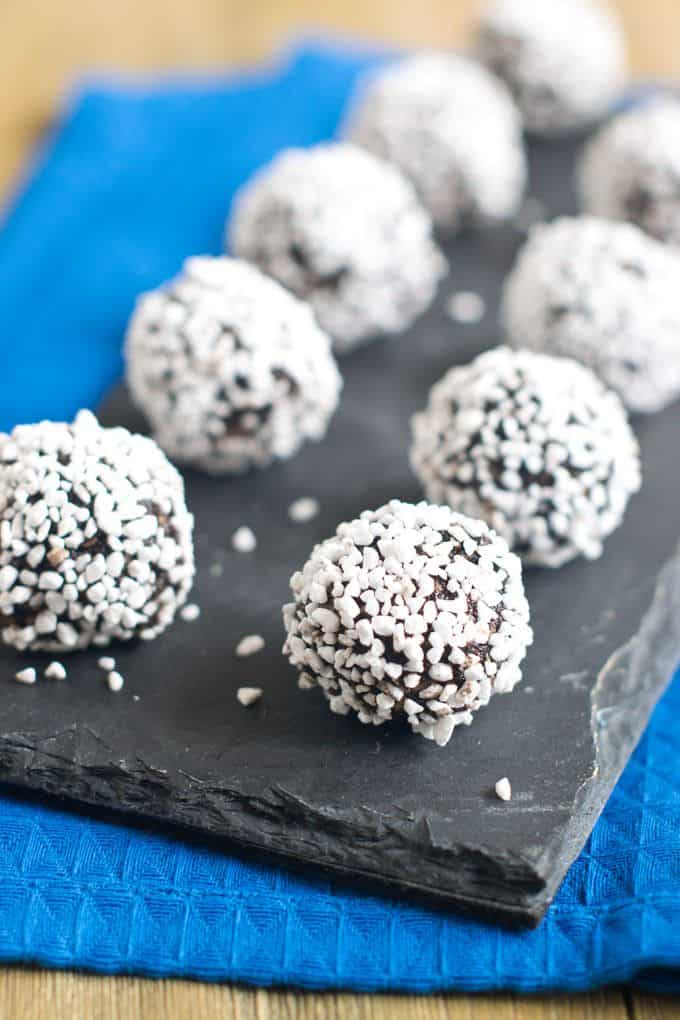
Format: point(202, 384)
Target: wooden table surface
point(43, 45)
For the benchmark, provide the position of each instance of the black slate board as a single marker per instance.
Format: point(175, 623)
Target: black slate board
point(375, 805)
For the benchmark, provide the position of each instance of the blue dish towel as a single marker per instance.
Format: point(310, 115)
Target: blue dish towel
point(137, 177)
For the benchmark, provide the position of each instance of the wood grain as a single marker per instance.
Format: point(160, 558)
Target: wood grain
point(44, 45)
point(44, 995)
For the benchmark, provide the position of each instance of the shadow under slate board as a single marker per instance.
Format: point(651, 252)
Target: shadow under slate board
point(375, 805)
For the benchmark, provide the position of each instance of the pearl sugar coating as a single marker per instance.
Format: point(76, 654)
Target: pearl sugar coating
point(605, 294)
point(536, 446)
point(409, 611)
point(630, 170)
point(95, 537)
point(563, 60)
point(453, 129)
point(345, 231)
point(231, 370)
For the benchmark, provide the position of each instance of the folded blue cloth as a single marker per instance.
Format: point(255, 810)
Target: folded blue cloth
point(136, 178)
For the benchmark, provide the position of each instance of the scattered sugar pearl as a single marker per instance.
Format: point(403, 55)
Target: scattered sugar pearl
point(55, 671)
point(115, 681)
point(250, 645)
point(503, 789)
point(248, 695)
point(190, 612)
point(106, 663)
point(304, 509)
point(244, 540)
point(26, 676)
point(466, 307)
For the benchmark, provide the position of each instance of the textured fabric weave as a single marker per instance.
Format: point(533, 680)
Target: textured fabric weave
point(136, 178)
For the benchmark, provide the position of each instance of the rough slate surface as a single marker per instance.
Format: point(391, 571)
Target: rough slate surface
point(377, 805)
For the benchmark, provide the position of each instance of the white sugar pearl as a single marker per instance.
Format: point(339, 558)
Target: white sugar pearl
point(190, 612)
point(503, 789)
point(26, 676)
point(466, 307)
point(250, 645)
point(55, 671)
point(304, 509)
point(248, 695)
point(115, 682)
point(243, 540)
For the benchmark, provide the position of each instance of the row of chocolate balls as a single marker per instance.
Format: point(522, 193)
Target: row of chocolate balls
point(558, 66)
point(245, 375)
point(233, 372)
point(411, 611)
point(564, 64)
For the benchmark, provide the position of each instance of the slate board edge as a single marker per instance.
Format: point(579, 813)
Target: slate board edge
point(623, 698)
point(465, 877)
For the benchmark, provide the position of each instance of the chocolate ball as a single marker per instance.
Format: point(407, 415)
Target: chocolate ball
point(453, 130)
point(631, 169)
point(231, 370)
point(563, 60)
point(345, 231)
point(605, 294)
point(411, 612)
point(536, 446)
point(95, 536)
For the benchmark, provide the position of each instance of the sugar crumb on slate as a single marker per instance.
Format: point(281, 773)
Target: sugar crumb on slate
point(304, 509)
point(95, 536)
point(503, 789)
point(346, 232)
point(534, 445)
point(26, 676)
point(247, 696)
point(249, 645)
point(115, 681)
point(216, 569)
point(190, 612)
point(453, 130)
point(107, 663)
point(244, 539)
point(55, 671)
point(563, 60)
point(466, 307)
point(605, 294)
point(232, 371)
point(409, 611)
